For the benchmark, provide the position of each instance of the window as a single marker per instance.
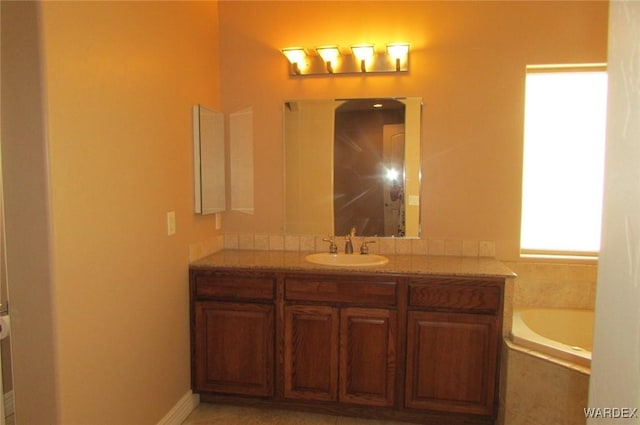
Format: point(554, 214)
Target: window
point(563, 170)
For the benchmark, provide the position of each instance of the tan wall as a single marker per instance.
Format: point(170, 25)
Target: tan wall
point(467, 62)
point(120, 79)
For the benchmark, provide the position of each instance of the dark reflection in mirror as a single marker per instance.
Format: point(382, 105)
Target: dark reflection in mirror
point(369, 167)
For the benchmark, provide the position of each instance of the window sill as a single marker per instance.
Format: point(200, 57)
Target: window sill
point(560, 258)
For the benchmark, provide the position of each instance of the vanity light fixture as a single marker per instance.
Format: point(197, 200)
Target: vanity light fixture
point(363, 53)
point(295, 55)
point(360, 59)
point(329, 54)
point(399, 52)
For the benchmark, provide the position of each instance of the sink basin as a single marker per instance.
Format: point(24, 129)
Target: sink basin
point(347, 260)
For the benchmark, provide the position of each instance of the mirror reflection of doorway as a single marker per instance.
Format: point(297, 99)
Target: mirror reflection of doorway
point(393, 157)
point(366, 196)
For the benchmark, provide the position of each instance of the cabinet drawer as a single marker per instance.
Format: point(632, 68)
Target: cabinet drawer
point(238, 287)
point(341, 291)
point(481, 296)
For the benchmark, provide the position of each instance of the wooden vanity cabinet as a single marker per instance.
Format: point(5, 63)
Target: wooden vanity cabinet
point(232, 333)
point(453, 340)
point(409, 347)
point(340, 340)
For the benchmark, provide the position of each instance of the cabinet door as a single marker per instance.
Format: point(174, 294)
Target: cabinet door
point(311, 352)
point(452, 362)
point(367, 356)
point(233, 348)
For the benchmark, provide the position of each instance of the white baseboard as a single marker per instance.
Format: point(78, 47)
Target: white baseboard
point(183, 408)
point(176, 416)
point(8, 403)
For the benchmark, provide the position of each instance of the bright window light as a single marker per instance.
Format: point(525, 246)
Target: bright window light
point(563, 170)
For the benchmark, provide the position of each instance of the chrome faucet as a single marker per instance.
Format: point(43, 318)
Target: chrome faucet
point(333, 248)
point(364, 249)
point(348, 246)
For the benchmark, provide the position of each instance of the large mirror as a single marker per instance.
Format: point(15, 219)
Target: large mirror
point(353, 163)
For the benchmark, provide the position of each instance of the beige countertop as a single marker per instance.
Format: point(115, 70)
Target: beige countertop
point(412, 264)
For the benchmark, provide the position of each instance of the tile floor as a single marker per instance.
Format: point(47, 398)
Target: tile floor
point(218, 414)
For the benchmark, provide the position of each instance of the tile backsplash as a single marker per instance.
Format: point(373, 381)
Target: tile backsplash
point(390, 246)
point(561, 285)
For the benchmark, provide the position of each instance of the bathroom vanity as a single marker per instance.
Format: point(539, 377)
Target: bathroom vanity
point(416, 339)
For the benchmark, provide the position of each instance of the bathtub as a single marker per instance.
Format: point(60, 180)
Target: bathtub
point(565, 334)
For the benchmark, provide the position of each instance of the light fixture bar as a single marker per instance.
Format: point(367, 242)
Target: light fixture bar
point(361, 59)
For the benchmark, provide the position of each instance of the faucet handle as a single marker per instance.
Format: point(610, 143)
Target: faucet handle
point(364, 249)
point(333, 248)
